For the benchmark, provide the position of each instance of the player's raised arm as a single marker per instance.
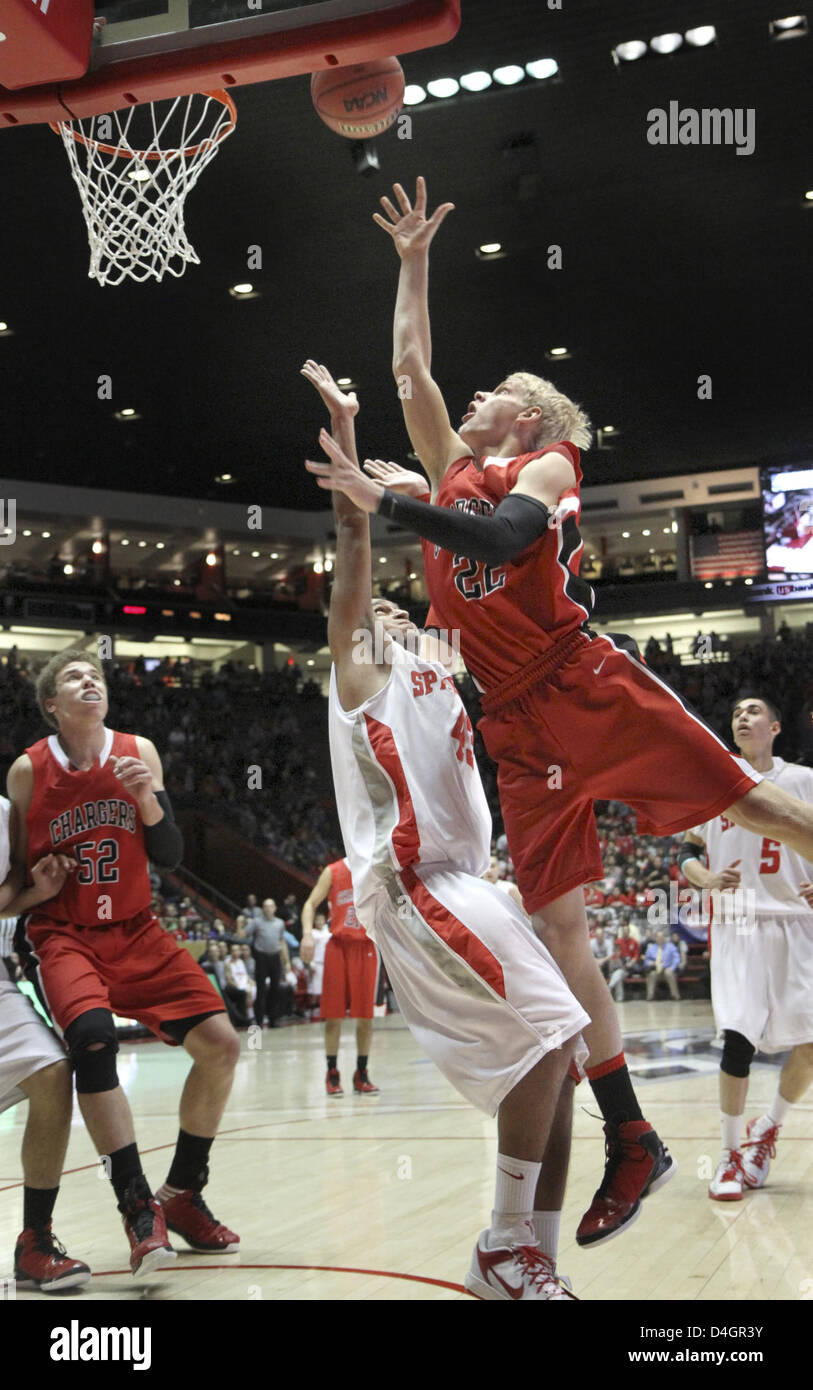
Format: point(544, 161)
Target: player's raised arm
point(425, 414)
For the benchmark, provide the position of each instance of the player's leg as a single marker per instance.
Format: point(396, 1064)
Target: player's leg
point(92, 1041)
point(362, 968)
point(637, 1162)
point(735, 1068)
point(550, 1189)
point(767, 810)
point(39, 1260)
point(762, 1134)
point(333, 1009)
point(214, 1048)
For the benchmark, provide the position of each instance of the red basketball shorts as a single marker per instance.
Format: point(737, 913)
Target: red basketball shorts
point(133, 968)
point(597, 725)
point(350, 978)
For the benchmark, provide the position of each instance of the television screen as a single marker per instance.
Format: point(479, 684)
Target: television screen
point(787, 518)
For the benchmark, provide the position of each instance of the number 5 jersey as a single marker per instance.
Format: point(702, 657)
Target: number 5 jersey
point(94, 819)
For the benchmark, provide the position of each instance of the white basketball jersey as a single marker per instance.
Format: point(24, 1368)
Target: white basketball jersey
point(8, 924)
point(769, 870)
point(408, 790)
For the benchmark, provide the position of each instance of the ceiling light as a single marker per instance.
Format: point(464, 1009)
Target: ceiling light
point(3, 326)
point(490, 248)
point(67, 569)
point(26, 533)
point(235, 552)
point(809, 195)
point(127, 412)
point(328, 566)
point(646, 533)
point(652, 550)
point(749, 581)
point(413, 575)
point(159, 545)
point(674, 528)
point(667, 530)
point(225, 478)
point(245, 287)
point(255, 554)
point(274, 555)
point(666, 43)
point(625, 535)
point(794, 27)
point(509, 75)
point(382, 559)
point(318, 567)
point(125, 542)
point(475, 81)
point(443, 87)
point(413, 95)
point(628, 52)
point(140, 174)
point(176, 581)
point(702, 36)
point(98, 547)
point(46, 535)
point(211, 559)
point(142, 544)
point(707, 584)
point(344, 381)
point(609, 429)
point(562, 352)
point(310, 661)
point(542, 67)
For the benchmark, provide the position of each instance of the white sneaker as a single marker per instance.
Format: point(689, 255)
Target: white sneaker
point(758, 1150)
point(726, 1185)
point(518, 1272)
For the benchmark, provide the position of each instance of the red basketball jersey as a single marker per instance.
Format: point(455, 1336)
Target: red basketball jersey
point(343, 920)
point(510, 614)
point(90, 816)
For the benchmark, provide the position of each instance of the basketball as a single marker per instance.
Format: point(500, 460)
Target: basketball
point(360, 101)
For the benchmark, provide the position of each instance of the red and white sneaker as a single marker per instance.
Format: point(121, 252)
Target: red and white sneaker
point(521, 1273)
point(727, 1183)
point(362, 1084)
point(40, 1262)
point(333, 1083)
point(758, 1150)
point(187, 1215)
point(636, 1164)
point(146, 1229)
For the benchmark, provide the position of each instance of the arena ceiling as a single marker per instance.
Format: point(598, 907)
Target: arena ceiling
point(678, 262)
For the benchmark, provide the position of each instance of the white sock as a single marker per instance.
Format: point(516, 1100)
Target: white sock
point(546, 1225)
point(512, 1217)
point(779, 1109)
point(731, 1126)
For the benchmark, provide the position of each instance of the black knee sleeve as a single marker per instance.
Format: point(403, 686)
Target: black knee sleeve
point(96, 1069)
point(738, 1054)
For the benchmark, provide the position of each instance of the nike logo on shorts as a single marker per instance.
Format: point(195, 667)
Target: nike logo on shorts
point(596, 669)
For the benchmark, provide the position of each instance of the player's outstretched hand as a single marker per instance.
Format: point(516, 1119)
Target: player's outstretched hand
point(806, 892)
point(50, 872)
point(344, 476)
point(134, 775)
point(338, 402)
point(410, 229)
point(396, 478)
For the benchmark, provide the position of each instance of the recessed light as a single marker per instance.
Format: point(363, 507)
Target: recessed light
point(561, 352)
point(509, 75)
point(414, 95)
point(443, 87)
point(142, 545)
point(625, 535)
point(702, 36)
point(274, 555)
point(97, 547)
point(318, 567)
point(127, 413)
point(310, 661)
point(809, 195)
point(255, 554)
point(490, 248)
point(140, 174)
point(382, 559)
point(475, 81)
point(707, 584)
point(244, 287)
point(794, 27)
point(542, 68)
point(344, 381)
point(666, 43)
point(674, 528)
point(609, 429)
point(413, 575)
point(235, 552)
point(26, 533)
point(749, 581)
point(646, 532)
point(159, 545)
point(328, 566)
point(3, 325)
point(667, 530)
point(225, 478)
point(629, 52)
point(67, 569)
point(46, 535)
point(125, 542)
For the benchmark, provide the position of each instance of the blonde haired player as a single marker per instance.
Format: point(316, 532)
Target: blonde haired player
point(761, 955)
point(479, 992)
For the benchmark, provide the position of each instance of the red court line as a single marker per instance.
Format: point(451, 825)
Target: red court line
point(325, 1269)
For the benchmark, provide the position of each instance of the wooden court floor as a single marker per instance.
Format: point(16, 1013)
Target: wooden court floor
point(382, 1198)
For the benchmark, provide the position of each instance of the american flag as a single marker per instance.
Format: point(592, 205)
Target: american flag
point(727, 555)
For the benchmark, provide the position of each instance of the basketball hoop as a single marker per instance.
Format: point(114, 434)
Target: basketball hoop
point(134, 181)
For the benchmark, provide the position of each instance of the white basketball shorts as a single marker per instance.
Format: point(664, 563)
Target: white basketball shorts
point(762, 980)
point(479, 991)
point(26, 1043)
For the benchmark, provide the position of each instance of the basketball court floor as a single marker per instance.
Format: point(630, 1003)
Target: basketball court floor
point(381, 1198)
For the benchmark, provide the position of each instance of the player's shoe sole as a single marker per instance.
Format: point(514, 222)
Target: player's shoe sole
point(155, 1260)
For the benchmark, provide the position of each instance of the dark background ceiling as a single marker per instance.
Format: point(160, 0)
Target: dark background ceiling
point(678, 261)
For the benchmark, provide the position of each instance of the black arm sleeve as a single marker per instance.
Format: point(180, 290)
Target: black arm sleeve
point(164, 841)
point(515, 525)
point(689, 851)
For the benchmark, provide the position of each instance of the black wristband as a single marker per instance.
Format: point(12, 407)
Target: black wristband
point(688, 851)
point(164, 841)
point(516, 524)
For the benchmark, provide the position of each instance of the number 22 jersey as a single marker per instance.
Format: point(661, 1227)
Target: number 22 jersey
point(94, 819)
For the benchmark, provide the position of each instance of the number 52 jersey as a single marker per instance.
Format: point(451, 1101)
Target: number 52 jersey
point(94, 819)
point(408, 790)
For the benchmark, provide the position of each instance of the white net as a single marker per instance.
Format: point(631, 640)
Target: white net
point(133, 170)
